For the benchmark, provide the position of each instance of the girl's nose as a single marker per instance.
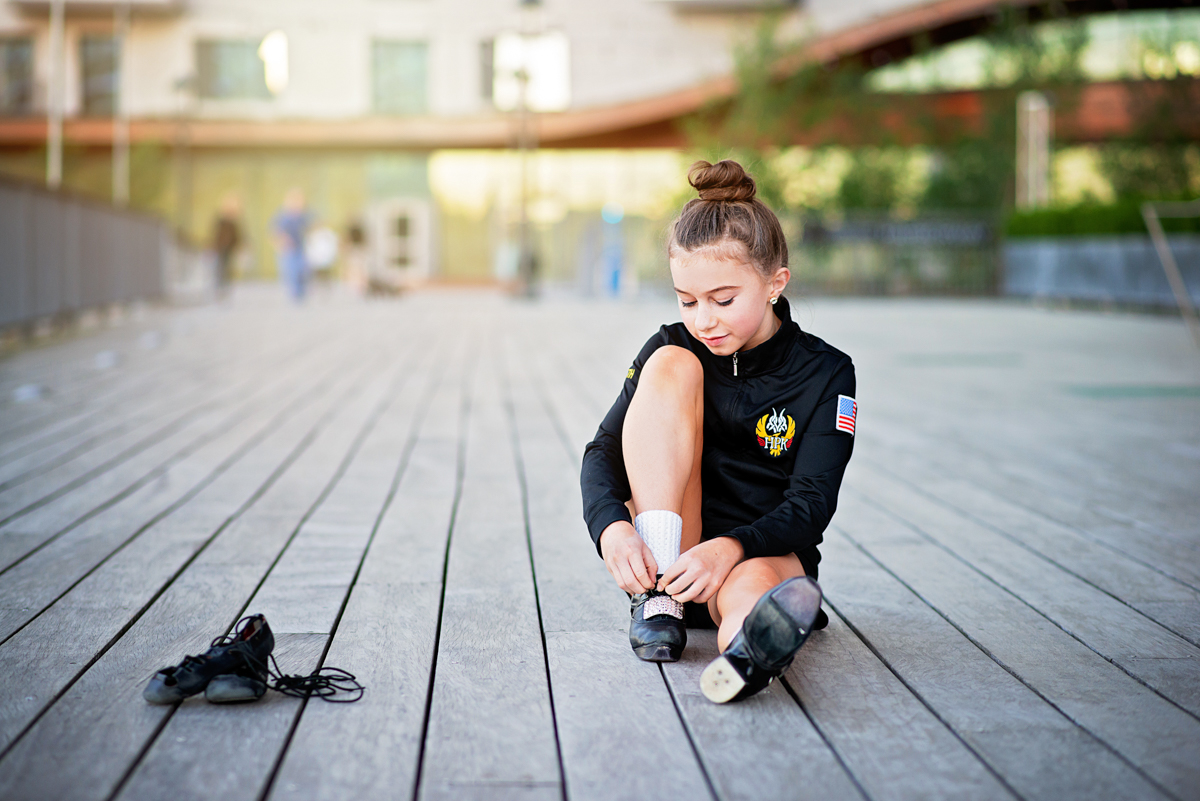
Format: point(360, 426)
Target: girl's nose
point(704, 320)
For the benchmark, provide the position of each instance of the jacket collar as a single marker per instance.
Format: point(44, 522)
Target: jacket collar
point(765, 357)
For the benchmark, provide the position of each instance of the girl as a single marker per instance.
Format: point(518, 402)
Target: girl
point(727, 445)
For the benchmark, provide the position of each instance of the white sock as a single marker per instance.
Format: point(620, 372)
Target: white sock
point(662, 531)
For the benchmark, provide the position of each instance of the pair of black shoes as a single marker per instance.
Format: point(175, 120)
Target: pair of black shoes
point(233, 670)
point(770, 637)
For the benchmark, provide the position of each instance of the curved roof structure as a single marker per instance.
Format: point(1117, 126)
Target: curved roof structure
point(872, 32)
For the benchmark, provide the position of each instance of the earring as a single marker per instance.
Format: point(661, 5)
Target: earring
point(774, 300)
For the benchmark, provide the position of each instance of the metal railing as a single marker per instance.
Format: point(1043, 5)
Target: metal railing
point(61, 254)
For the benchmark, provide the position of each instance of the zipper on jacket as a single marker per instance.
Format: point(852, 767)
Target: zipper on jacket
point(735, 362)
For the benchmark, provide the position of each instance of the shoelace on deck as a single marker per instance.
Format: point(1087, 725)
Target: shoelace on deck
point(323, 683)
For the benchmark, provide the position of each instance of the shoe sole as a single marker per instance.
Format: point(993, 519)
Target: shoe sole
point(720, 682)
point(782, 620)
point(655, 653)
point(779, 624)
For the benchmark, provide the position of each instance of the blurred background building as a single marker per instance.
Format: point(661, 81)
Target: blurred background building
point(429, 134)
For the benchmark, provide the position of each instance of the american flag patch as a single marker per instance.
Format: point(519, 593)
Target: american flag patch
point(847, 413)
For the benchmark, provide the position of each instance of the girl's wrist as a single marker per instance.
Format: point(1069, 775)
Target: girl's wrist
point(731, 546)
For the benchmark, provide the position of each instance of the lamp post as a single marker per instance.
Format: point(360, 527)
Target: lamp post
point(54, 96)
point(526, 144)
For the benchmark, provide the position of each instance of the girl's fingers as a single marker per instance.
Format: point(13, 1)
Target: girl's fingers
point(624, 577)
point(690, 594)
point(674, 572)
point(690, 580)
point(644, 569)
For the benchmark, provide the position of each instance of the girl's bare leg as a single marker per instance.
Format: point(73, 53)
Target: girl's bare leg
point(663, 438)
point(745, 585)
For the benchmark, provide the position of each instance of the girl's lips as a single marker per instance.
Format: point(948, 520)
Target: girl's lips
point(713, 342)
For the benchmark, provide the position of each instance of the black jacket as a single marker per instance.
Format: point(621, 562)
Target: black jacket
point(774, 453)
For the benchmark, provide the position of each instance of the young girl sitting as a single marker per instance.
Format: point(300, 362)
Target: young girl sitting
point(711, 479)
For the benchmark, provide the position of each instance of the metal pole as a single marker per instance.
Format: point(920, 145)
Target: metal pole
point(1174, 277)
point(120, 154)
point(1034, 130)
point(524, 234)
point(54, 96)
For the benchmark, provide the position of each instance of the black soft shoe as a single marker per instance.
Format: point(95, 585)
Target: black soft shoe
point(235, 688)
point(659, 638)
point(230, 656)
point(771, 635)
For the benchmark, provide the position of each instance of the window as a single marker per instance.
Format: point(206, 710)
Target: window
point(99, 58)
point(399, 74)
point(545, 60)
point(230, 69)
point(16, 76)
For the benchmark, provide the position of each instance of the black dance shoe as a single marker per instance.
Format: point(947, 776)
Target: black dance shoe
point(658, 638)
point(229, 657)
point(770, 637)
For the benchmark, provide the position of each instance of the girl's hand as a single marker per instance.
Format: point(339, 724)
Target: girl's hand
point(628, 558)
point(701, 570)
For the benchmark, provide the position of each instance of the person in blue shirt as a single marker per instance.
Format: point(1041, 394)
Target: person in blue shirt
point(289, 227)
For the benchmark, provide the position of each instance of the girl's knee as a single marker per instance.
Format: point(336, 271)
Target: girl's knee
point(757, 572)
point(673, 364)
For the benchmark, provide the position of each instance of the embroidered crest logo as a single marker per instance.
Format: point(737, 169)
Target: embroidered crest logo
point(775, 431)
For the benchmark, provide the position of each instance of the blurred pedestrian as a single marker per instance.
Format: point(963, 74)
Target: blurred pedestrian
point(321, 252)
point(355, 259)
point(289, 227)
point(227, 235)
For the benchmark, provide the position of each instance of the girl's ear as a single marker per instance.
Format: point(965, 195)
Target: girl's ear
point(780, 281)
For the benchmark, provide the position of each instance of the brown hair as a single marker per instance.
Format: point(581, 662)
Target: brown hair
point(728, 213)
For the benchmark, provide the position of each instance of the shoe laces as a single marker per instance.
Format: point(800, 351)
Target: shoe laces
point(323, 683)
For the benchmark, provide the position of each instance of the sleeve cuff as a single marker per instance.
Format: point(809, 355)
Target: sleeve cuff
point(603, 517)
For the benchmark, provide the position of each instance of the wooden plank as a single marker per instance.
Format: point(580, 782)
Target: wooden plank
point(1149, 732)
point(387, 633)
point(89, 473)
point(74, 420)
point(301, 596)
point(112, 496)
point(71, 510)
point(888, 740)
point(763, 747)
point(490, 730)
point(1144, 649)
point(1038, 751)
point(98, 466)
point(609, 707)
point(153, 394)
point(133, 445)
point(1162, 550)
point(1169, 601)
point(115, 595)
point(76, 389)
point(100, 720)
point(27, 588)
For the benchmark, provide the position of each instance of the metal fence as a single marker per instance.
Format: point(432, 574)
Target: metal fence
point(1116, 269)
point(60, 254)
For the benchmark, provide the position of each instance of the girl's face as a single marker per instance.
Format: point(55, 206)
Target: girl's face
point(724, 301)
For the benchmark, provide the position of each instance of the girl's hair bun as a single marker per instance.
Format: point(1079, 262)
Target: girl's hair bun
point(725, 180)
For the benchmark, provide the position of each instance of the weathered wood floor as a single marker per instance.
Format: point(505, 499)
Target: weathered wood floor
point(1013, 576)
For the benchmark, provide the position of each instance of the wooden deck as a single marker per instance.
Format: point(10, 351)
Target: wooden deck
point(1013, 575)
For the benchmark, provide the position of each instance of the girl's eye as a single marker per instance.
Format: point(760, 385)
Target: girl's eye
point(724, 302)
point(687, 304)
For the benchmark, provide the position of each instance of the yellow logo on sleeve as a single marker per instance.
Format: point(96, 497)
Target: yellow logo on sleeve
point(775, 431)
point(630, 373)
